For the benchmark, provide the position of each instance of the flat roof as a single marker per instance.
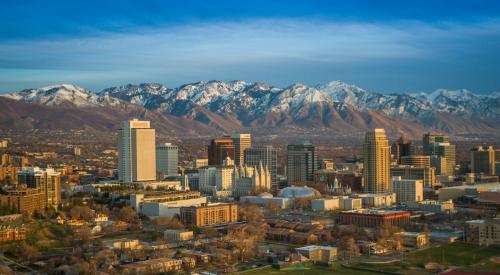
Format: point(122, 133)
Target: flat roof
point(374, 212)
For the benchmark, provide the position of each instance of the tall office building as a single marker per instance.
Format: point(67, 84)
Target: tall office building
point(48, 181)
point(219, 149)
point(408, 190)
point(377, 159)
point(136, 152)
point(428, 142)
point(302, 162)
point(266, 155)
point(167, 159)
point(241, 142)
point(483, 160)
point(426, 174)
point(438, 145)
point(402, 148)
point(418, 161)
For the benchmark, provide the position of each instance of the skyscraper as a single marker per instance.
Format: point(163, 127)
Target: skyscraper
point(483, 160)
point(439, 145)
point(241, 142)
point(402, 148)
point(266, 155)
point(302, 162)
point(136, 152)
point(219, 149)
point(377, 159)
point(167, 159)
point(48, 181)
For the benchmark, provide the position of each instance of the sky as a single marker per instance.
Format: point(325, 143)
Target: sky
point(383, 46)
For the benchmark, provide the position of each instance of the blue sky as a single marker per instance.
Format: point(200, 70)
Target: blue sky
point(385, 46)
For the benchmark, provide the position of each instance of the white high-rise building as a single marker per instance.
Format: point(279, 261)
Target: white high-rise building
point(167, 159)
point(136, 152)
point(408, 190)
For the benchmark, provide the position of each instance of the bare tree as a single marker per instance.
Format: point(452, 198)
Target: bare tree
point(128, 214)
point(210, 232)
point(251, 213)
point(349, 247)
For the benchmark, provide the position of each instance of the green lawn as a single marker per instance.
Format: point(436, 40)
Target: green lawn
point(455, 254)
point(306, 270)
point(470, 257)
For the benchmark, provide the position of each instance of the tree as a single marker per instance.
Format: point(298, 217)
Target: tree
point(301, 203)
point(82, 234)
point(163, 223)
point(104, 258)
point(128, 214)
point(251, 213)
point(210, 232)
point(81, 213)
point(246, 239)
point(349, 247)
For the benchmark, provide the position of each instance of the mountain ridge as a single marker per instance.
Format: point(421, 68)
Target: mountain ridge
point(229, 106)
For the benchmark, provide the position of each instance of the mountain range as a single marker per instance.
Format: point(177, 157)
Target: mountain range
point(334, 109)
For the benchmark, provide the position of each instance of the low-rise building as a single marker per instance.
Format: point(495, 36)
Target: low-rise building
point(433, 206)
point(23, 199)
point(173, 235)
point(483, 232)
point(317, 253)
point(153, 266)
point(209, 214)
point(127, 245)
point(347, 203)
point(376, 200)
point(165, 203)
point(454, 192)
point(414, 239)
point(325, 204)
point(12, 233)
point(374, 218)
point(267, 199)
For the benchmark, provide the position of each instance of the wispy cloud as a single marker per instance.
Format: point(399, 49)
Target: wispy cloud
point(255, 49)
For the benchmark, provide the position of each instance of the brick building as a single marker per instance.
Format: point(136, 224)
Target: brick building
point(209, 214)
point(23, 199)
point(374, 218)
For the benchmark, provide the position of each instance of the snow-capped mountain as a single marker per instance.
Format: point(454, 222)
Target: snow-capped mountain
point(230, 105)
point(56, 95)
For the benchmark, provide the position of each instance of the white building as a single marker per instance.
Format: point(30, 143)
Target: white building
point(347, 203)
point(168, 204)
point(136, 152)
point(247, 179)
point(266, 199)
point(408, 190)
point(167, 159)
point(172, 235)
point(231, 180)
point(327, 204)
point(433, 205)
point(377, 199)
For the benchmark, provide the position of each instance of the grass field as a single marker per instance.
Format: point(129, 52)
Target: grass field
point(468, 257)
point(309, 269)
point(455, 254)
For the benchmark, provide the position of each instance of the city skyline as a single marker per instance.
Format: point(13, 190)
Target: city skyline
point(257, 137)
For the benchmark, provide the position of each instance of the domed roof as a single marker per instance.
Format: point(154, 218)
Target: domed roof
point(265, 195)
point(298, 192)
